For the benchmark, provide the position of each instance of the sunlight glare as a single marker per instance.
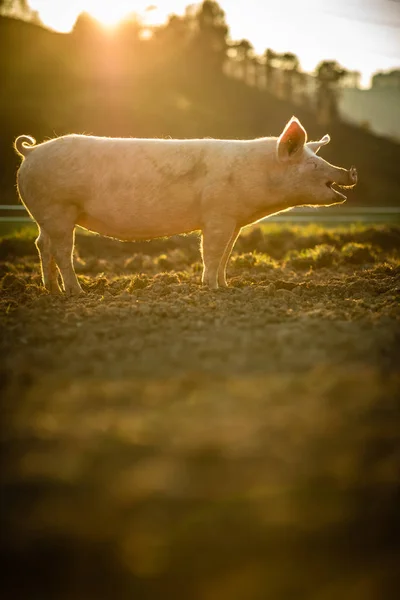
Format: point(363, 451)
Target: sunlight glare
point(111, 13)
point(61, 16)
point(311, 32)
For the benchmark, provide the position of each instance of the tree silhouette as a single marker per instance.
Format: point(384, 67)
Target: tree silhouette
point(328, 73)
point(256, 68)
point(244, 51)
point(351, 79)
point(210, 41)
point(170, 47)
point(19, 9)
point(281, 72)
point(301, 95)
point(87, 28)
point(13, 5)
point(269, 56)
point(289, 65)
point(173, 34)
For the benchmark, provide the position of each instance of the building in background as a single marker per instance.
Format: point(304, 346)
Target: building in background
point(377, 108)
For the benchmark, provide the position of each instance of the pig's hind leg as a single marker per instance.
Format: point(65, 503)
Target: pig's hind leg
point(47, 263)
point(59, 225)
point(217, 237)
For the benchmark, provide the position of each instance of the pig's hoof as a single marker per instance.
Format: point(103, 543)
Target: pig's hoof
point(212, 285)
point(75, 293)
point(54, 290)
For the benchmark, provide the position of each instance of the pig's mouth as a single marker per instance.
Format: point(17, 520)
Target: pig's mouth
point(330, 184)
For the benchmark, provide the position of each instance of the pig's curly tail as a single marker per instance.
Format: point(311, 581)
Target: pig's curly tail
point(24, 144)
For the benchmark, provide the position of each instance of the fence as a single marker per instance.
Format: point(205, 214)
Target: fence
point(16, 213)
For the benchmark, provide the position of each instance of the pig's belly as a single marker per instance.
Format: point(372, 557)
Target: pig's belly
point(127, 227)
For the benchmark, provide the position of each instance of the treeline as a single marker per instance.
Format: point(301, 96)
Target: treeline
point(199, 40)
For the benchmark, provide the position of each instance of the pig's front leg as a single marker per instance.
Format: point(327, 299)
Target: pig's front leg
point(217, 236)
point(225, 258)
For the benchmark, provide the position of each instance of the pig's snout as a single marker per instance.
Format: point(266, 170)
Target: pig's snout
point(352, 176)
point(344, 178)
point(341, 178)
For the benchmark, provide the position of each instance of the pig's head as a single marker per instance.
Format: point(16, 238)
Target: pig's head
point(308, 179)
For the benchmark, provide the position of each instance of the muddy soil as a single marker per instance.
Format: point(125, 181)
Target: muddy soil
point(163, 441)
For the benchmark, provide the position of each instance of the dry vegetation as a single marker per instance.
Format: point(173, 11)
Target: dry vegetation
point(163, 441)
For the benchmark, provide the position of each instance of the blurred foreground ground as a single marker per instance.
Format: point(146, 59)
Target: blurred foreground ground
point(163, 441)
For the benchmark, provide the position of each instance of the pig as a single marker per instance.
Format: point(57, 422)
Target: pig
point(138, 189)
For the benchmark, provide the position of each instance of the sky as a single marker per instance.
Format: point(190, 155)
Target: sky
point(361, 35)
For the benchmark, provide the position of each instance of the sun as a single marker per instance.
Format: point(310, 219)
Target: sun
point(111, 13)
point(61, 15)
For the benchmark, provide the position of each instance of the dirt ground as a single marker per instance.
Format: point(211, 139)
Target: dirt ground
point(163, 441)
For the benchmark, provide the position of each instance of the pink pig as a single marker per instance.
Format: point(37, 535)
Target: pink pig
point(137, 189)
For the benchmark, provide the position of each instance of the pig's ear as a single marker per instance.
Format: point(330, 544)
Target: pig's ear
point(291, 140)
point(315, 146)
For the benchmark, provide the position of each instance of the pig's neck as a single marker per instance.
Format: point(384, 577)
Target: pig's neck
point(263, 188)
